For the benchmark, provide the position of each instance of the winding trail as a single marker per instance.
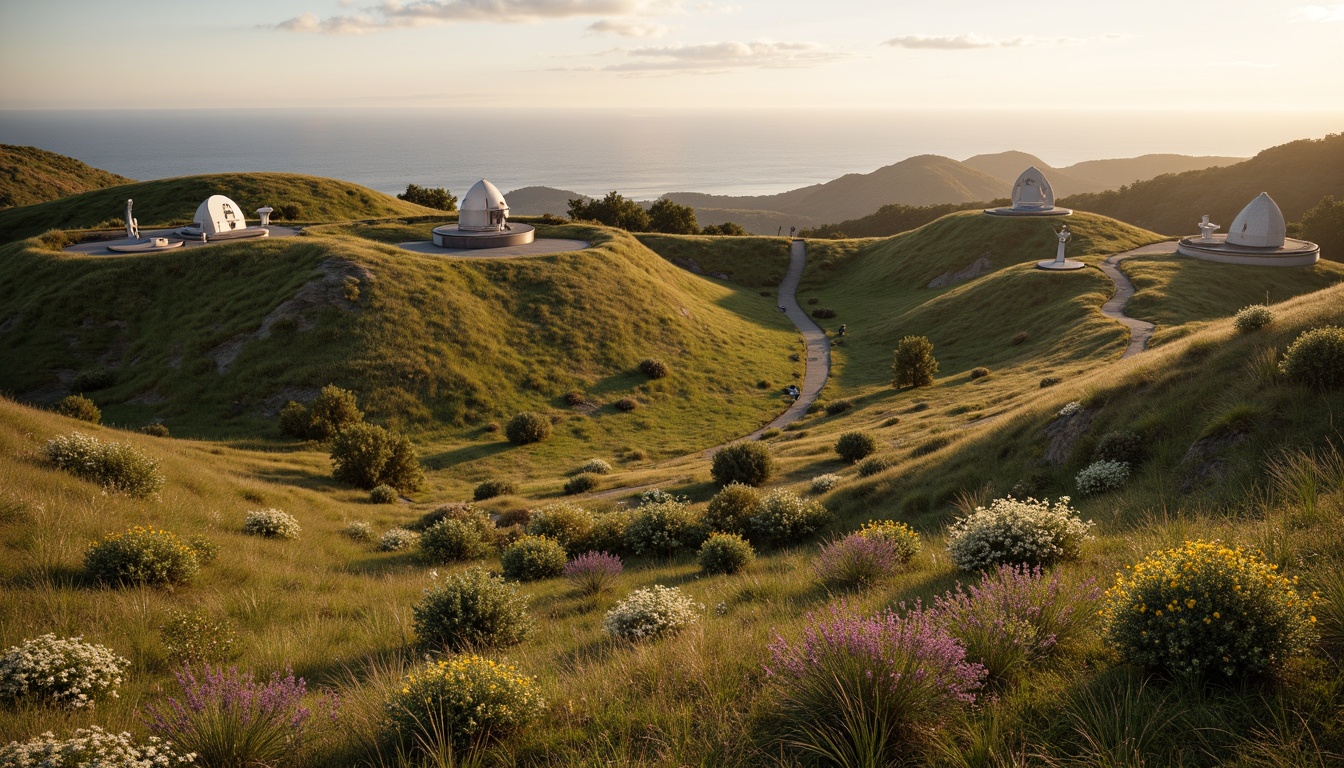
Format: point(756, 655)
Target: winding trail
point(1139, 330)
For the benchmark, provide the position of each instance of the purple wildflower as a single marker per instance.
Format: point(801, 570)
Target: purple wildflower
point(593, 572)
point(857, 560)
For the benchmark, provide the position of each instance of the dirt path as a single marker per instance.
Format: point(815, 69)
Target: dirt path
point(1139, 330)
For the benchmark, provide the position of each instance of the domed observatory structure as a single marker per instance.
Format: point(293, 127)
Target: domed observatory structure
point(1032, 196)
point(1257, 237)
point(483, 222)
point(219, 218)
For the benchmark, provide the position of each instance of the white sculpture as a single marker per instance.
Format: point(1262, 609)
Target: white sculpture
point(1032, 196)
point(1206, 230)
point(1064, 236)
point(1259, 225)
point(132, 226)
point(265, 213)
point(219, 218)
point(483, 209)
point(1059, 263)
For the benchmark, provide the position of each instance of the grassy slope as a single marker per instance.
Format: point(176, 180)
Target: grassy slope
point(29, 175)
point(754, 262)
point(174, 201)
point(441, 347)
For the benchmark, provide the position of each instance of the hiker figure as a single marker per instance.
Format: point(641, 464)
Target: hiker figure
point(842, 329)
point(793, 391)
point(781, 307)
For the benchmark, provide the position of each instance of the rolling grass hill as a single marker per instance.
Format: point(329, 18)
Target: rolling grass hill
point(29, 175)
point(174, 201)
point(1297, 175)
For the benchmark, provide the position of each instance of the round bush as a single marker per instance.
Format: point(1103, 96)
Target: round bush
point(115, 466)
point(580, 484)
point(653, 368)
point(874, 466)
point(786, 518)
point(397, 540)
point(837, 407)
point(92, 747)
point(725, 553)
point(79, 407)
point(64, 671)
point(913, 363)
point(824, 483)
point(472, 609)
point(565, 522)
point(383, 494)
point(334, 409)
point(492, 488)
point(1205, 608)
point(746, 463)
point(596, 467)
point(205, 549)
point(358, 530)
point(1316, 358)
point(650, 613)
point(527, 427)
point(271, 523)
point(468, 701)
point(155, 429)
point(142, 555)
point(853, 447)
point(366, 455)
point(532, 558)
point(1102, 476)
point(452, 540)
point(663, 527)
point(1122, 445)
point(979, 373)
point(1253, 318)
point(856, 560)
point(192, 637)
point(626, 404)
point(609, 532)
point(903, 539)
point(593, 572)
point(455, 511)
point(1017, 532)
point(731, 509)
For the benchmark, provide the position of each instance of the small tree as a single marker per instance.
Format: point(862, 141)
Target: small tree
point(672, 218)
point(331, 411)
point(527, 427)
point(913, 365)
point(853, 447)
point(614, 210)
point(726, 228)
point(748, 463)
point(366, 455)
point(79, 407)
point(429, 197)
point(1324, 226)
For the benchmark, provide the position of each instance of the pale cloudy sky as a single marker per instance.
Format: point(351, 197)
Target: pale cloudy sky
point(1138, 54)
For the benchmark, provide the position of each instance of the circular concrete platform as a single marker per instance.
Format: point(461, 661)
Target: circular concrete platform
point(449, 236)
point(1053, 211)
point(148, 246)
point(540, 247)
point(127, 247)
point(1293, 253)
point(1058, 266)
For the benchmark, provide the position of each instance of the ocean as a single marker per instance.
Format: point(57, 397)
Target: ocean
point(641, 153)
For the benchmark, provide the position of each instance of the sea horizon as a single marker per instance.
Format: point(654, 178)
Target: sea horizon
point(643, 153)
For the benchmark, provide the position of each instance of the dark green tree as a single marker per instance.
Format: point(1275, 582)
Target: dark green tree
point(914, 365)
point(429, 197)
point(1324, 226)
point(673, 218)
point(726, 228)
point(614, 210)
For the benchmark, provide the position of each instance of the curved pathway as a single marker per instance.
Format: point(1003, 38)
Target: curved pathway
point(1139, 330)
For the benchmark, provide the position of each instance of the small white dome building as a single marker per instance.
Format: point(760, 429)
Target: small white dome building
point(1258, 236)
point(219, 218)
point(1032, 196)
point(483, 209)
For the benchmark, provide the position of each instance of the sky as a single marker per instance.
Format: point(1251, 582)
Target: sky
point(1157, 55)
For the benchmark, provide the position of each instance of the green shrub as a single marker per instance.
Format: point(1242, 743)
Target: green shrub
point(1122, 445)
point(532, 558)
point(874, 466)
point(786, 518)
point(1207, 609)
point(358, 530)
point(663, 527)
point(205, 549)
point(91, 746)
point(63, 671)
point(646, 614)
point(1019, 338)
point(653, 368)
point(1253, 318)
point(1101, 476)
point(823, 313)
point(745, 463)
point(626, 404)
point(192, 638)
point(454, 540)
point(94, 379)
point(383, 494)
point(437, 198)
point(837, 407)
point(824, 483)
point(492, 488)
point(902, 537)
point(156, 429)
point(725, 553)
point(595, 467)
point(1050, 381)
point(580, 484)
point(527, 427)
point(609, 532)
point(979, 373)
point(333, 410)
point(142, 555)
point(1017, 532)
point(1316, 358)
point(79, 407)
point(294, 420)
point(565, 522)
point(913, 364)
point(366, 455)
point(856, 446)
point(455, 511)
point(472, 609)
point(398, 540)
point(115, 466)
point(467, 701)
point(271, 523)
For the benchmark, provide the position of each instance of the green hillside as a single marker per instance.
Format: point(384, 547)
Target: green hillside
point(29, 175)
point(173, 201)
point(1297, 175)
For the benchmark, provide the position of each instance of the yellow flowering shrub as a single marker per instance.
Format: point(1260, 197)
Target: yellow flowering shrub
point(1204, 607)
point(467, 699)
point(901, 536)
point(142, 555)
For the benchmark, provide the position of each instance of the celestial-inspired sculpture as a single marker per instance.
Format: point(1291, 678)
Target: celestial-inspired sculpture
point(483, 222)
point(264, 212)
point(1257, 236)
point(219, 218)
point(1032, 196)
point(1059, 262)
point(132, 226)
point(134, 244)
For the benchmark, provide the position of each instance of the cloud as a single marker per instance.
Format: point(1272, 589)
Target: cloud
point(1319, 13)
point(627, 28)
point(392, 14)
point(967, 42)
point(724, 56)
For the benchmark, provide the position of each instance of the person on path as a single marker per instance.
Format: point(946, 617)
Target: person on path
point(842, 329)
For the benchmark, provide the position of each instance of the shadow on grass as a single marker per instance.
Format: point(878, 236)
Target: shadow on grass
point(465, 454)
point(381, 564)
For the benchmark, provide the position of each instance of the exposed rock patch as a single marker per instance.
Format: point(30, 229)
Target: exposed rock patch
point(976, 269)
point(1064, 433)
point(1206, 460)
point(271, 406)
